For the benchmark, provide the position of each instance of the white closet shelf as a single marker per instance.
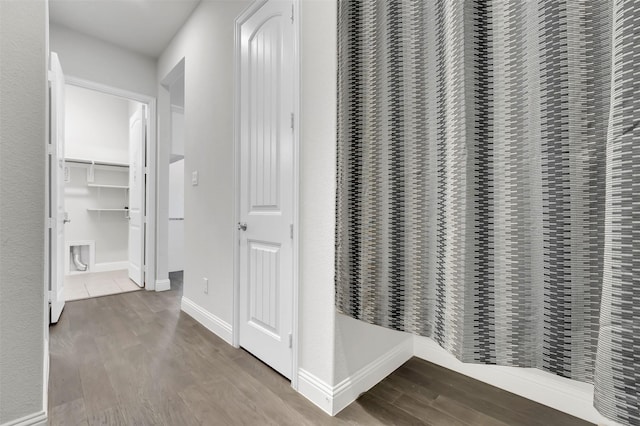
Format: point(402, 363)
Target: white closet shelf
point(99, 185)
point(107, 210)
point(95, 162)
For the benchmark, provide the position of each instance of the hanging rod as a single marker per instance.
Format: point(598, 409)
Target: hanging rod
point(95, 163)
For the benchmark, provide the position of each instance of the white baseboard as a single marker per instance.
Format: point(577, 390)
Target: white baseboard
point(316, 390)
point(35, 419)
point(211, 322)
point(110, 266)
point(569, 396)
point(332, 399)
point(45, 374)
point(348, 390)
point(163, 285)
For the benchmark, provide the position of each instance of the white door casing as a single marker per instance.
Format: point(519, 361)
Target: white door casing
point(57, 215)
point(266, 185)
point(137, 146)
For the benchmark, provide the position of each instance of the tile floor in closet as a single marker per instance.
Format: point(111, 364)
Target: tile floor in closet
point(94, 284)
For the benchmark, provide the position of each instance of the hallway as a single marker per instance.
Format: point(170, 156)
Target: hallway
point(135, 359)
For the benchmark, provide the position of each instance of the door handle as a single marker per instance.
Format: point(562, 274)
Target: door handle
point(66, 219)
point(242, 226)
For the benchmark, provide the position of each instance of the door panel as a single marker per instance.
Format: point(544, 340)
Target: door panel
point(264, 288)
point(266, 185)
point(56, 189)
point(137, 146)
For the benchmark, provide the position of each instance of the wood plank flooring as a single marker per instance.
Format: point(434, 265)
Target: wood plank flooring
point(100, 374)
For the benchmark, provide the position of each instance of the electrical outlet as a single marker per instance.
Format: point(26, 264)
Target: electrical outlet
point(205, 285)
point(194, 178)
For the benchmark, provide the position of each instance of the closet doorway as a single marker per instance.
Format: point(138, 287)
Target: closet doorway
point(104, 193)
point(176, 256)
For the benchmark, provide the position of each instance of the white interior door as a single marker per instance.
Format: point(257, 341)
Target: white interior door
point(57, 215)
point(266, 179)
point(137, 144)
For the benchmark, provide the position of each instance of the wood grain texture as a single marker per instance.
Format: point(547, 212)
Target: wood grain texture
point(136, 359)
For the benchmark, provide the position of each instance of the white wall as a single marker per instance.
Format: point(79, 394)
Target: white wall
point(109, 230)
point(92, 59)
point(23, 100)
point(96, 125)
point(177, 132)
point(317, 187)
point(206, 43)
point(333, 346)
point(359, 344)
point(176, 210)
point(177, 92)
point(97, 128)
point(176, 178)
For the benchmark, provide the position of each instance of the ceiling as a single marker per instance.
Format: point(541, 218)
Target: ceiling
point(143, 26)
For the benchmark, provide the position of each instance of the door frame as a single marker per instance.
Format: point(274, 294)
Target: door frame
point(150, 187)
point(165, 135)
point(237, 42)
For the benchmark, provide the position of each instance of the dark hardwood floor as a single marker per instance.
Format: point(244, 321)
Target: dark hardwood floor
point(135, 359)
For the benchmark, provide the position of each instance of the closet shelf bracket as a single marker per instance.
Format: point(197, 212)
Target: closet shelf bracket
point(90, 172)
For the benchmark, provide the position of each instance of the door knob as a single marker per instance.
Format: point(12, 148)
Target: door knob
point(242, 226)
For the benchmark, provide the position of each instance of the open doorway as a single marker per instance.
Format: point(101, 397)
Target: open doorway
point(176, 179)
point(171, 180)
point(103, 171)
point(104, 152)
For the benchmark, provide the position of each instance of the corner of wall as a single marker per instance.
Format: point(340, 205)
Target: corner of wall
point(316, 390)
point(35, 419)
point(334, 398)
point(348, 390)
point(163, 285)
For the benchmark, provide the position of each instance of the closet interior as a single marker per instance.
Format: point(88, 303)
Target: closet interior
point(97, 193)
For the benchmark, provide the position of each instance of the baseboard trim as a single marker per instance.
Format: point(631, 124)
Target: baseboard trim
point(316, 390)
point(566, 395)
point(45, 373)
point(110, 266)
point(35, 419)
point(211, 322)
point(163, 285)
point(332, 399)
point(348, 390)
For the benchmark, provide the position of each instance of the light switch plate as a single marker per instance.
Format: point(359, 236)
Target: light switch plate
point(194, 178)
point(205, 285)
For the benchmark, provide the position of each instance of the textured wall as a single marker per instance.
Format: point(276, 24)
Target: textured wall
point(23, 34)
point(91, 59)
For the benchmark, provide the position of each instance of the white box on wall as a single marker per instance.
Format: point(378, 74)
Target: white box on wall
point(88, 253)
